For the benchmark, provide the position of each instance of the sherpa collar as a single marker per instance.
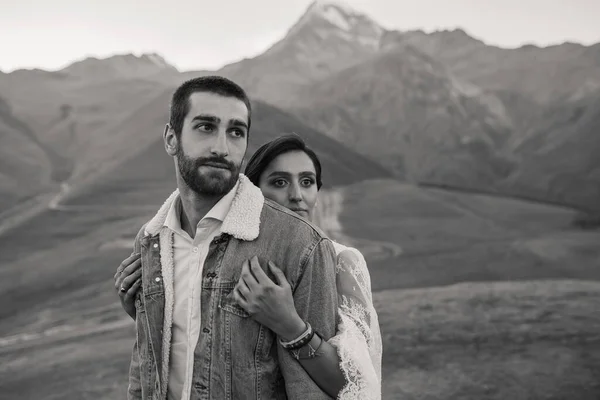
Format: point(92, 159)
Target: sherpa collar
point(242, 220)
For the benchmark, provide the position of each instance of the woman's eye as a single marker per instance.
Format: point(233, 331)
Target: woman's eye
point(279, 183)
point(307, 182)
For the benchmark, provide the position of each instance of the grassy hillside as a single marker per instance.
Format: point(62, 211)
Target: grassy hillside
point(450, 237)
point(516, 340)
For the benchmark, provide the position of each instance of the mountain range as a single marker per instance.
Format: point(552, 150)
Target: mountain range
point(439, 108)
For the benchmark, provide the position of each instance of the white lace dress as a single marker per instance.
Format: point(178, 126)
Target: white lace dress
point(358, 337)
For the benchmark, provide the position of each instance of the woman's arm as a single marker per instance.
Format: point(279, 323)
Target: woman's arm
point(272, 305)
point(322, 363)
point(348, 365)
point(128, 280)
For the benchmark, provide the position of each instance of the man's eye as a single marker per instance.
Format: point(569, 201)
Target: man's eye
point(308, 182)
point(238, 133)
point(205, 128)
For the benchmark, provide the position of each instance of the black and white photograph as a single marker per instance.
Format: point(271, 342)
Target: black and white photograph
point(300, 199)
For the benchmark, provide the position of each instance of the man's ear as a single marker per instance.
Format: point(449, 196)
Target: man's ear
point(170, 139)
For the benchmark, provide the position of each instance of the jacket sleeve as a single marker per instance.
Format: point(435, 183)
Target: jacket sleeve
point(315, 298)
point(134, 390)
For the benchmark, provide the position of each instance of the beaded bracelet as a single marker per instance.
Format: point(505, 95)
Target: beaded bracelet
point(300, 341)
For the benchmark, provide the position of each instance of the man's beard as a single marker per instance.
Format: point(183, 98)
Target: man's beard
point(210, 182)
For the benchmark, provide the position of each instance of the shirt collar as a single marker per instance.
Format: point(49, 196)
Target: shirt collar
point(218, 212)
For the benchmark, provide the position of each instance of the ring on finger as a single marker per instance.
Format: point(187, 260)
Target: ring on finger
point(123, 290)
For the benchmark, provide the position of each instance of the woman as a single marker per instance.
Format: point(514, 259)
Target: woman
point(348, 366)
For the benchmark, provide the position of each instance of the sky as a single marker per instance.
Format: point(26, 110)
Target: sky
point(207, 34)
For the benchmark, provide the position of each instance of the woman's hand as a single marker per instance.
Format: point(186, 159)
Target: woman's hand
point(268, 303)
point(128, 280)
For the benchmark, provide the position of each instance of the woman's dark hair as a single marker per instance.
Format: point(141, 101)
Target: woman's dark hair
point(261, 159)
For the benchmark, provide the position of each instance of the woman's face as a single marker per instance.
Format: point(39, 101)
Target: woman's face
point(291, 180)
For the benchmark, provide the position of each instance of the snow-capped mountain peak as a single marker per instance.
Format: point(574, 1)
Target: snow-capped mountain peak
point(334, 12)
point(336, 18)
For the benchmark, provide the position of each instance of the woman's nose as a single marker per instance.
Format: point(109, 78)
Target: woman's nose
point(295, 195)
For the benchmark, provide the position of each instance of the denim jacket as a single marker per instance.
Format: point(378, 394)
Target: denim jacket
point(235, 357)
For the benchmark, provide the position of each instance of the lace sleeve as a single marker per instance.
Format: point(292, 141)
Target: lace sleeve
point(358, 337)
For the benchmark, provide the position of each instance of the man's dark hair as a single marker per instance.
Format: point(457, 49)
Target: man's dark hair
point(261, 159)
point(180, 102)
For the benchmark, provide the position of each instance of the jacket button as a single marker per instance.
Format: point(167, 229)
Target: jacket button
point(155, 245)
point(157, 279)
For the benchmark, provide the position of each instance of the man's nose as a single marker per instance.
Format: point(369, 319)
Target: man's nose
point(219, 147)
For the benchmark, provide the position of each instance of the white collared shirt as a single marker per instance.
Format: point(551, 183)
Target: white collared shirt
point(188, 258)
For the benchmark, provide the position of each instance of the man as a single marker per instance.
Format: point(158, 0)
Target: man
point(193, 340)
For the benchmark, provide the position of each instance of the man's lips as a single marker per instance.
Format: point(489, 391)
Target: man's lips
point(216, 165)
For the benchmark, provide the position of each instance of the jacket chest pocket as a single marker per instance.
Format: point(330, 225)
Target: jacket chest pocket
point(228, 303)
point(242, 334)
